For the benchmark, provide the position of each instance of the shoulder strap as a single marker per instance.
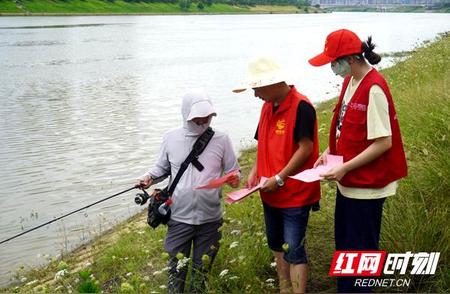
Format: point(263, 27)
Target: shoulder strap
point(197, 149)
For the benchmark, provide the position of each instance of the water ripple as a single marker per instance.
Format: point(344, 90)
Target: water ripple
point(62, 26)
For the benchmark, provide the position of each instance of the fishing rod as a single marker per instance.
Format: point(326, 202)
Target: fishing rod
point(137, 186)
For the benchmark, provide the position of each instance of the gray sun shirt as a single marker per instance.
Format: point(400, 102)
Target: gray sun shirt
point(190, 205)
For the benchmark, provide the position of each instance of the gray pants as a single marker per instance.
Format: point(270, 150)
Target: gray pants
point(180, 238)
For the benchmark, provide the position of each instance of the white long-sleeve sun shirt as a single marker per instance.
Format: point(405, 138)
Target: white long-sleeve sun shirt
point(189, 205)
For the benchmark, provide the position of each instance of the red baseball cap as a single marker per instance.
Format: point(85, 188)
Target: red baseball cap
point(339, 43)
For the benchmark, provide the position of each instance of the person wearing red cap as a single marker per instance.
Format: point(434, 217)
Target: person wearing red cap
point(365, 131)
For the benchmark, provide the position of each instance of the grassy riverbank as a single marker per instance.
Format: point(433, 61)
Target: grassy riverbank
point(68, 7)
point(130, 259)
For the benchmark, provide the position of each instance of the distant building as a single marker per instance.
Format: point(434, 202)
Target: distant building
point(374, 2)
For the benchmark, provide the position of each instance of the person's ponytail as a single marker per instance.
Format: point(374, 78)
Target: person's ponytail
point(367, 48)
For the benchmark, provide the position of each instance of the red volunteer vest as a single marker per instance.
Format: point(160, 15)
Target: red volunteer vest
point(391, 165)
point(276, 145)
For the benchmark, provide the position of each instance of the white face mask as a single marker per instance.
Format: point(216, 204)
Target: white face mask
point(341, 68)
point(195, 129)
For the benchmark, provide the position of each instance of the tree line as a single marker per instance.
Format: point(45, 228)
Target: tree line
point(298, 3)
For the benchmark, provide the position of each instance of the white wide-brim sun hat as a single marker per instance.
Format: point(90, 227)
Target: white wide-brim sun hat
point(262, 71)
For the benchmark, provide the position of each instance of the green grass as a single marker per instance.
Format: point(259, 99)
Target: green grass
point(129, 258)
point(417, 218)
point(99, 6)
point(123, 7)
point(95, 6)
point(7, 6)
point(283, 9)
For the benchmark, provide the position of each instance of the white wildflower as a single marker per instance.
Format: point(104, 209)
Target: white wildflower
point(270, 280)
point(61, 274)
point(182, 263)
point(162, 287)
point(233, 278)
point(234, 244)
point(273, 264)
point(23, 279)
point(235, 232)
point(129, 274)
point(270, 285)
point(223, 273)
point(88, 264)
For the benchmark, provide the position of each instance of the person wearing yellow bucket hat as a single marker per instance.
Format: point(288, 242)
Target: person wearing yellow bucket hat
point(287, 144)
point(366, 132)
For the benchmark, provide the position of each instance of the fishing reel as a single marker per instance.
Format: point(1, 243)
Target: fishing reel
point(158, 206)
point(141, 198)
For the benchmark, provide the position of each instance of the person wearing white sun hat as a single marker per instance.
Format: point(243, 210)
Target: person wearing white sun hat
point(287, 144)
point(262, 71)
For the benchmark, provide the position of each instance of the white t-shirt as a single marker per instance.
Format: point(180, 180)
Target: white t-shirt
point(378, 125)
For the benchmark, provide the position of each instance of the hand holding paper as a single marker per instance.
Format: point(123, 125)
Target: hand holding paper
point(216, 183)
point(241, 194)
point(313, 174)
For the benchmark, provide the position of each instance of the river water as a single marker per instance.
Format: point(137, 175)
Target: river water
point(84, 102)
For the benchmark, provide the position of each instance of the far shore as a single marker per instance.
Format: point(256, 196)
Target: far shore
point(201, 13)
point(153, 13)
point(184, 7)
point(76, 8)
